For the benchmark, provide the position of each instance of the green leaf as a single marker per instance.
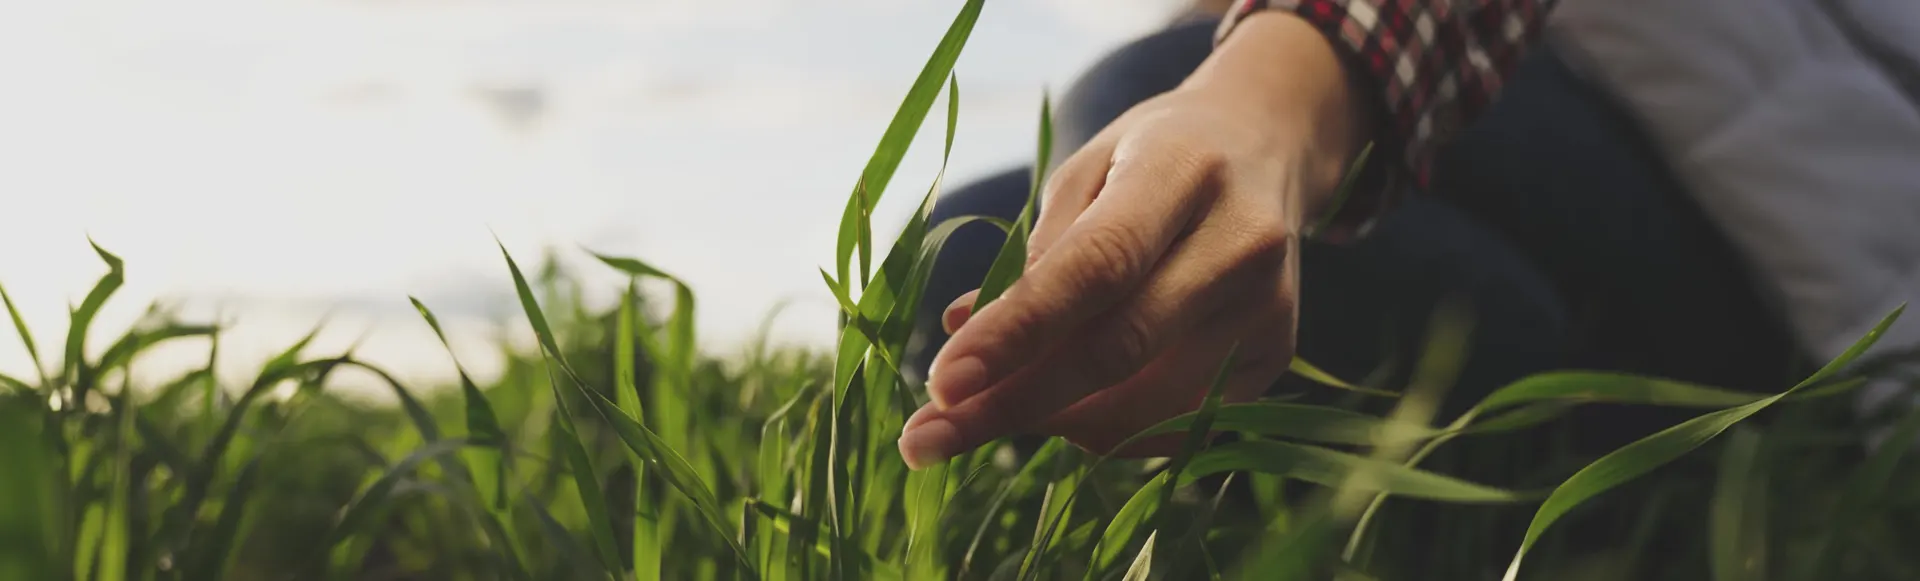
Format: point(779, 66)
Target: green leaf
point(671, 467)
point(1615, 388)
point(483, 427)
point(76, 371)
point(215, 557)
point(116, 542)
point(1301, 368)
point(1012, 260)
point(900, 132)
point(1142, 568)
point(1300, 421)
point(1869, 482)
point(130, 345)
point(34, 511)
point(19, 387)
point(1330, 468)
point(416, 412)
point(1737, 517)
point(1197, 436)
point(26, 336)
point(1657, 450)
point(646, 556)
point(585, 477)
point(361, 513)
point(282, 367)
point(1125, 524)
point(1197, 531)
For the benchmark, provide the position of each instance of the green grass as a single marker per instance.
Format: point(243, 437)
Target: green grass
point(615, 450)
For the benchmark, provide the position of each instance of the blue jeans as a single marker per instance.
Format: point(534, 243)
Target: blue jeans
point(1551, 216)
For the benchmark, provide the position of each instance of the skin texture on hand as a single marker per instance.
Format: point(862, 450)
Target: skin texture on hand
point(1164, 241)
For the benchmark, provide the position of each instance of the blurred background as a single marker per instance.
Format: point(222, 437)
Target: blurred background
point(275, 163)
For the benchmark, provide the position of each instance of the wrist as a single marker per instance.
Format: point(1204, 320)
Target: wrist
point(1285, 73)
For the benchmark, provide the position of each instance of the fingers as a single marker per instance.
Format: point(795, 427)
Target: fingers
point(1097, 260)
point(1202, 274)
point(1173, 384)
point(958, 311)
point(1178, 382)
point(1068, 192)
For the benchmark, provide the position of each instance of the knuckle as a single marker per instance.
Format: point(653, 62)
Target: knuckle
point(1205, 160)
point(1266, 245)
point(1108, 256)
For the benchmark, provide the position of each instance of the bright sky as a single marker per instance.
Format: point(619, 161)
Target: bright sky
point(285, 160)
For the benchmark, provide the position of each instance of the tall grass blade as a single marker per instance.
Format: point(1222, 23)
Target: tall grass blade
point(214, 558)
point(26, 337)
point(1301, 368)
point(1738, 512)
point(75, 372)
point(1863, 487)
point(900, 132)
point(1314, 423)
point(1012, 259)
point(366, 508)
point(1197, 437)
point(1643, 456)
point(585, 477)
point(1142, 568)
point(15, 385)
point(1125, 524)
point(130, 345)
point(34, 526)
point(1330, 468)
point(671, 467)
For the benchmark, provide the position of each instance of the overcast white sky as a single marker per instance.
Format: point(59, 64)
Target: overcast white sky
point(289, 159)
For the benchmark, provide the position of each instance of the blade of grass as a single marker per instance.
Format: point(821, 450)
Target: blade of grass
point(214, 558)
point(75, 371)
point(646, 545)
point(1197, 530)
point(34, 513)
point(901, 130)
point(483, 429)
point(1012, 259)
point(15, 385)
point(1643, 456)
point(1323, 424)
point(585, 477)
point(1868, 483)
point(1125, 524)
point(1142, 568)
point(1197, 437)
point(1737, 532)
point(116, 542)
point(130, 345)
point(1301, 368)
point(671, 467)
point(361, 513)
point(26, 338)
point(1332, 468)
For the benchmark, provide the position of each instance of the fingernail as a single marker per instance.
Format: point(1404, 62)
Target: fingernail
point(930, 443)
point(952, 318)
point(956, 381)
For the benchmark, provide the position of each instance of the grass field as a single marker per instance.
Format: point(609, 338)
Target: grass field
point(615, 450)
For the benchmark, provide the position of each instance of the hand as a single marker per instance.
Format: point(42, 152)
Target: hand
point(1167, 239)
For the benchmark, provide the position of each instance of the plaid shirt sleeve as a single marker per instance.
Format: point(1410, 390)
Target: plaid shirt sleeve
point(1431, 65)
